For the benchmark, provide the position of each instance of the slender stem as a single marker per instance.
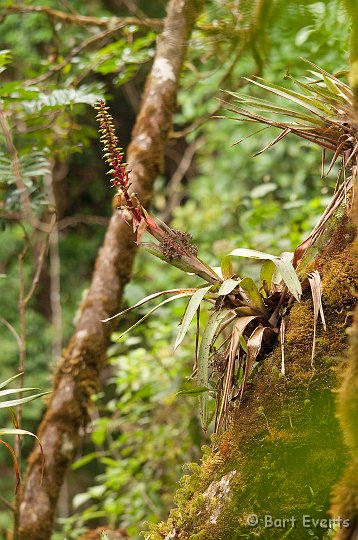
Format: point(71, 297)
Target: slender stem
point(21, 368)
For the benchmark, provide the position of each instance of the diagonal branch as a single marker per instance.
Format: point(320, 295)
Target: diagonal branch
point(77, 375)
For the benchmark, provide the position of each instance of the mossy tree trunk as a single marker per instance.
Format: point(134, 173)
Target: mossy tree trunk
point(77, 375)
point(285, 451)
point(346, 493)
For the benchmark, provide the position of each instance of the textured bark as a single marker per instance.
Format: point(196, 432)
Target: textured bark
point(78, 373)
point(284, 450)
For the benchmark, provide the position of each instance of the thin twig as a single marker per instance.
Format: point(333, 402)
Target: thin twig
point(176, 179)
point(36, 278)
point(12, 330)
point(7, 504)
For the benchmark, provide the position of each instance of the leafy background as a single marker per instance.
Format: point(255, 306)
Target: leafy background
point(142, 433)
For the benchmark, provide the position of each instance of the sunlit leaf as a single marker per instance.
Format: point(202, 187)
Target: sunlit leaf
point(175, 297)
point(8, 381)
point(15, 391)
point(227, 286)
point(19, 401)
point(283, 264)
point(147, 299)
point(190, 311)
point(289, 276)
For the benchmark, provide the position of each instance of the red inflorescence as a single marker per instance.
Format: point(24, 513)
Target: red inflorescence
point(112, 152)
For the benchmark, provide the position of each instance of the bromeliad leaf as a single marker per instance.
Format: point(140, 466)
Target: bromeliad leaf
point(175, 297)
point(20, 401)
point(283, 264)
point(251, 253)
point(203, 362)
point(266, 276)
point(194, 391)
point(289, 276)
point(15, 391)
point(190, 311)
point(227, 286)
point(16, 431)
point(226, 267)
point(254, 298)
point(8, 381)
point(147, 299)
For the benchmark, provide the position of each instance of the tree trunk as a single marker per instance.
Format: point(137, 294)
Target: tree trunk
point(284, 450)
point(346, 494)
point(77, 375)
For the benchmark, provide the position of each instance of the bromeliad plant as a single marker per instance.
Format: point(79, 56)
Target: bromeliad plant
point(245, 317)
point(324, 112)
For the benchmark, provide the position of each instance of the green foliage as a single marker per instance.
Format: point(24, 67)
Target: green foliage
point(135, 439)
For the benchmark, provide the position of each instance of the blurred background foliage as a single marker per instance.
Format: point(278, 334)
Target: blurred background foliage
point(142, 433)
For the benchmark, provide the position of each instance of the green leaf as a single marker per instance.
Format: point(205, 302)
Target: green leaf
point(251, 254)
point(226, 267)
point(8, 381)
point(203, 363)
point(227, 286)
point(15, 91)
point(283, 264)
point(266, 275)
point(190, 311)
point(84, 460)
point(5, 58)
point(308, 103)
point(289, 276)
point(147, 299)
point(262, 190)
point(14, 402)
point(15, 391)
point(243, 343)
point(194, 391)
point(62, 97)
point(254, 298)
point(182, 295)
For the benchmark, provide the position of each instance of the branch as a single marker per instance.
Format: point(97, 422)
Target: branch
point(82, 20)
point(223, 28)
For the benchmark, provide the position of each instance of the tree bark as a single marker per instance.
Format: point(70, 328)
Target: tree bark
point(77, 375)
point(284, 451)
